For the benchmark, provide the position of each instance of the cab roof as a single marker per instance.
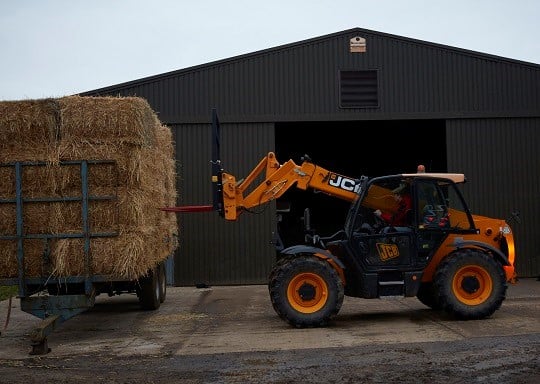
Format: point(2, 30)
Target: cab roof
point(455, 177)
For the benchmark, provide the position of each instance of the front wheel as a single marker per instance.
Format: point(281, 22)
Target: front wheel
point(470, 284)
point(306, 291)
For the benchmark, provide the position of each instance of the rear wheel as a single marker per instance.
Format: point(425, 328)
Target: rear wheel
point(306, 291)
point(470, 284)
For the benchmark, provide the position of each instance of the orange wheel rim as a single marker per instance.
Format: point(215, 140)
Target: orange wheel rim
point(307, 292)
point(472, 285)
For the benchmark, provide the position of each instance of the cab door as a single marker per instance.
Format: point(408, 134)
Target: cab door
point(431, 218)
point(375, 244)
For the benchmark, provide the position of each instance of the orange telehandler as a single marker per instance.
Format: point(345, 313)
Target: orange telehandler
point(447, 257)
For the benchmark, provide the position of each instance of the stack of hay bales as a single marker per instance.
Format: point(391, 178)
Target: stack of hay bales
point(141, 178)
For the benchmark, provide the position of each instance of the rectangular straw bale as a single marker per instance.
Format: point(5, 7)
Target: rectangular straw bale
point(96, 120)
point(29, 129)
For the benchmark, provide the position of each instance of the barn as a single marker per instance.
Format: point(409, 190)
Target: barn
point(358, 102)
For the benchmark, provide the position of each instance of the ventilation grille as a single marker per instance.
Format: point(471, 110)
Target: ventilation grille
point(359, 89)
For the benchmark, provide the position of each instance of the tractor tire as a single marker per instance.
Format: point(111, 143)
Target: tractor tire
point(470, 284)
point(428, 296)
point(306, 291)
point(149, 290)
point(276, 268)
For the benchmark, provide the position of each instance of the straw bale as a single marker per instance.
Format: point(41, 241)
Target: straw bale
point(142, 178)
point(28, 129)
point(95, 120)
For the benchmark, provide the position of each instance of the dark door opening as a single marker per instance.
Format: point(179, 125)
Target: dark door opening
point(353, 149)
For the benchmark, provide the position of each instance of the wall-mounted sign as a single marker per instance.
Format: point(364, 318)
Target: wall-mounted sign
point(357, 44)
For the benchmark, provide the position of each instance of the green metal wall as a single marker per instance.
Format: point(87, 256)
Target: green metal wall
point(212, 250)
point(501, 161)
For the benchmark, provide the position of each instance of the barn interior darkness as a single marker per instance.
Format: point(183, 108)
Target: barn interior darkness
point(352, 148)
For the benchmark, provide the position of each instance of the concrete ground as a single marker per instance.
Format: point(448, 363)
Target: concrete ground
point(239, 320)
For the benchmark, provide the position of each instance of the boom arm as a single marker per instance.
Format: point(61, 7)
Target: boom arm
point(278, 180)
point(231, 198)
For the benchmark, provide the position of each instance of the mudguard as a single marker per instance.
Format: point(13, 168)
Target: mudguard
point(319, 252)
point(460, 243)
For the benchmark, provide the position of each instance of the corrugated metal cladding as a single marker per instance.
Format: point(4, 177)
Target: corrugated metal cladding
point(213, 251)
point(491, 106)
point(501, 162)
point(300, 82)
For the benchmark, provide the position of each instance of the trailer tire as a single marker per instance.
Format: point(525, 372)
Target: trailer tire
point(470, 284)
point(306, 291)
point(149, 290)
point(162, 282)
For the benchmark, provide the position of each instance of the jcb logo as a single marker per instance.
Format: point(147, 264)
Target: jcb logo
point(387, 251)
point(343, 182)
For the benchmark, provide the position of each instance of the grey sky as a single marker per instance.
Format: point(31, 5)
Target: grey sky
point(53, 48)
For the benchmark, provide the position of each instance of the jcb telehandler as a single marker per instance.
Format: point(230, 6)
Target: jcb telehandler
point(447, 257)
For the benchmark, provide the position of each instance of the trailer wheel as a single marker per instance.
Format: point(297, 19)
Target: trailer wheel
point(149, 290)
point(162, 282)
point(428, 296)
point(306, 291)
point(471, 284)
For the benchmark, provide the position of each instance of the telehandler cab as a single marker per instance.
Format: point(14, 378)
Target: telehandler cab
point(444, 255)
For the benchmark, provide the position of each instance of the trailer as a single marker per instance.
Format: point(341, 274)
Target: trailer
point(56, 298)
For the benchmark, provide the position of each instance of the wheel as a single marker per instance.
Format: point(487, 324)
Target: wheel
point(276, 268)
point(162, 282)
point(149, 290)
point(470, 284)
point(306, 291)
point(428, 296)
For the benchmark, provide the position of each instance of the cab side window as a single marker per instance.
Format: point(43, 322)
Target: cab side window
point(439, 206)
point(432, 206)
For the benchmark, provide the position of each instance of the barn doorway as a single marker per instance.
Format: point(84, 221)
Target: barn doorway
point(353, 149)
